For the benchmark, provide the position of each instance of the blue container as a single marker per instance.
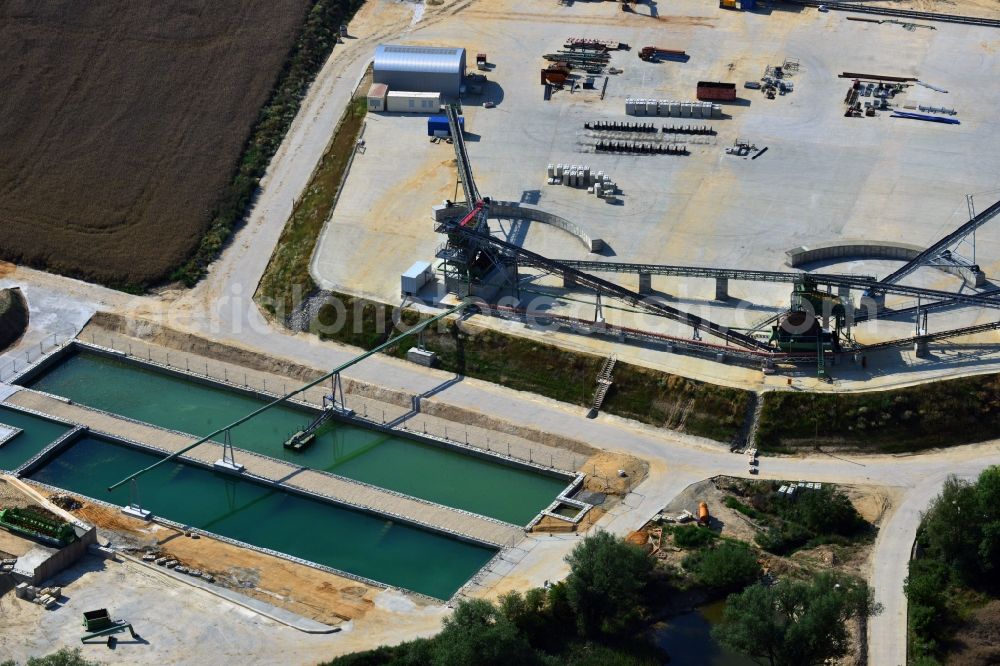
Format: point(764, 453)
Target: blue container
point(747, 5)
point(438, 125)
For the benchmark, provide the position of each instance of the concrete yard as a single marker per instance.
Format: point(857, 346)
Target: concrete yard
point(181, 624)
point(824, 177)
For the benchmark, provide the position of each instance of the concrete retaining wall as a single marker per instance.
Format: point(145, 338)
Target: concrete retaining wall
point(523, 211)
point(863, 249)
point(42, 562)
point(852, 249)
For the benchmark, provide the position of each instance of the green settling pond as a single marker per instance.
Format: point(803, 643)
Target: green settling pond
point(421, 470)
point(351, 541)
point(37, 434)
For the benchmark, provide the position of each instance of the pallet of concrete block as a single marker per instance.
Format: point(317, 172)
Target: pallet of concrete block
point(575, 175)
point(672, 108)
point(642, 107)
point(694, 110)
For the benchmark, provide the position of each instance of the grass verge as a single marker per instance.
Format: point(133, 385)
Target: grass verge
point(649, 396)
point(943, 413)
point(289, 264)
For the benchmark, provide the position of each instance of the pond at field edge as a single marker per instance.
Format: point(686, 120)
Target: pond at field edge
point(688, 640)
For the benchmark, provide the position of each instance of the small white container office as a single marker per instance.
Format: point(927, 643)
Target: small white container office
point(415, 277)
point(401, 101)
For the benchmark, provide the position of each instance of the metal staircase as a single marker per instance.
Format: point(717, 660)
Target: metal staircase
point(603, 384)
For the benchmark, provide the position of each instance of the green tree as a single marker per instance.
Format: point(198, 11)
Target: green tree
point(794, 623)
point(729, 567)
point(988, 497)
point(530, 614)
point(952, 528)
point(606, 583)
point(827, 511)
point(477, 633)
point(927, 603)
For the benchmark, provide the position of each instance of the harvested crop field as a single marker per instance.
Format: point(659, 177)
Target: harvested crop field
point(123, 123)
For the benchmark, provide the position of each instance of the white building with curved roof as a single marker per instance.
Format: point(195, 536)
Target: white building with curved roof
point(420, 68)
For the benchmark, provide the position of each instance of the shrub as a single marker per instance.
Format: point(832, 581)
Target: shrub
point(783, 538)
point(728, 567)
point(692, 536)
point(825, 511)
point(747, 511)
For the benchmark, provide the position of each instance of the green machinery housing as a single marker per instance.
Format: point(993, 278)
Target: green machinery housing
point(815, 322)
point(30, 524)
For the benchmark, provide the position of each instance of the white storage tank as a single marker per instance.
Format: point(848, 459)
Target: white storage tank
point(401, 101)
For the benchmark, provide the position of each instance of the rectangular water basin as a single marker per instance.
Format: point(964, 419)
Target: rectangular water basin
point(179, 402)
point(253, 513)
point(36, 433)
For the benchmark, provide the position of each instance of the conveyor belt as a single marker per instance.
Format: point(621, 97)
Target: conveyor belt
point(462, 157)
point(979, 220)
point(747, 356)
point(914, 309)
point(862, 282)
point(931, 337)
point(634, 299)
point(708, 272)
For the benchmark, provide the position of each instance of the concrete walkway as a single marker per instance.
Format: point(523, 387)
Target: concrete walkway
point(335, 488)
